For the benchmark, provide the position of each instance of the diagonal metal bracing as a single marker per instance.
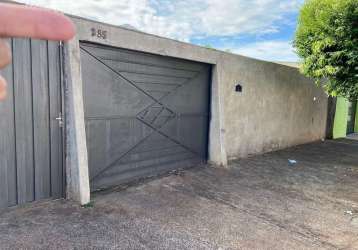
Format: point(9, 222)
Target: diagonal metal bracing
point(172, 91)
point(173, 140)
point(139, 63)
point(140, 116)
point(120, 75)
point(113, 163)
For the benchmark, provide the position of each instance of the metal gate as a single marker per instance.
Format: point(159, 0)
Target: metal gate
point(145, 114)
point(351, 117)
point(31, 141)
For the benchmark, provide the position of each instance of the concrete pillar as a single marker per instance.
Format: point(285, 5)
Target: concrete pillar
point(76, 149)
point(217, 150)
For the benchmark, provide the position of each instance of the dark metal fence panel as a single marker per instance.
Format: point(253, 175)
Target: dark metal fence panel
point(145, 114)
point(31, 145)
point(351, 117)
point(55, 110)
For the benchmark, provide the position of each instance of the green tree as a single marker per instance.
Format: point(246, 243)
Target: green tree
point(208, 46)
point(327, 42)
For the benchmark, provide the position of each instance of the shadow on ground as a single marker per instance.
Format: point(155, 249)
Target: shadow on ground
point(262, 202)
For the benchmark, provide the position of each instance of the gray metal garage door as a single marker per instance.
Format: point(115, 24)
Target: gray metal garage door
point(31, 142)
point(145, 114)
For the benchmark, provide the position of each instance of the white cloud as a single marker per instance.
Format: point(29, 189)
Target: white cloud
point(231, 17)
point(138, 13)
point(186, 19)
point(268, 50)
point(182, 19)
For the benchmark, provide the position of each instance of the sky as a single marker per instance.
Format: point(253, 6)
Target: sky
point(261, 29)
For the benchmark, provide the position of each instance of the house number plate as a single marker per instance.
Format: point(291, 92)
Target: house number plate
point(99, 33)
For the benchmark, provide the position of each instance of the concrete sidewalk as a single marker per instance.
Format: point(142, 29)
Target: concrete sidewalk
point(262, 202)
point(353, 136)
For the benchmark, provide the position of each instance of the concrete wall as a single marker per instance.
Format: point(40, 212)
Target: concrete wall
point(277, 108)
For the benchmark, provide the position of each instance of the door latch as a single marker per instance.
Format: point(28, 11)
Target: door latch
point(60, 120)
